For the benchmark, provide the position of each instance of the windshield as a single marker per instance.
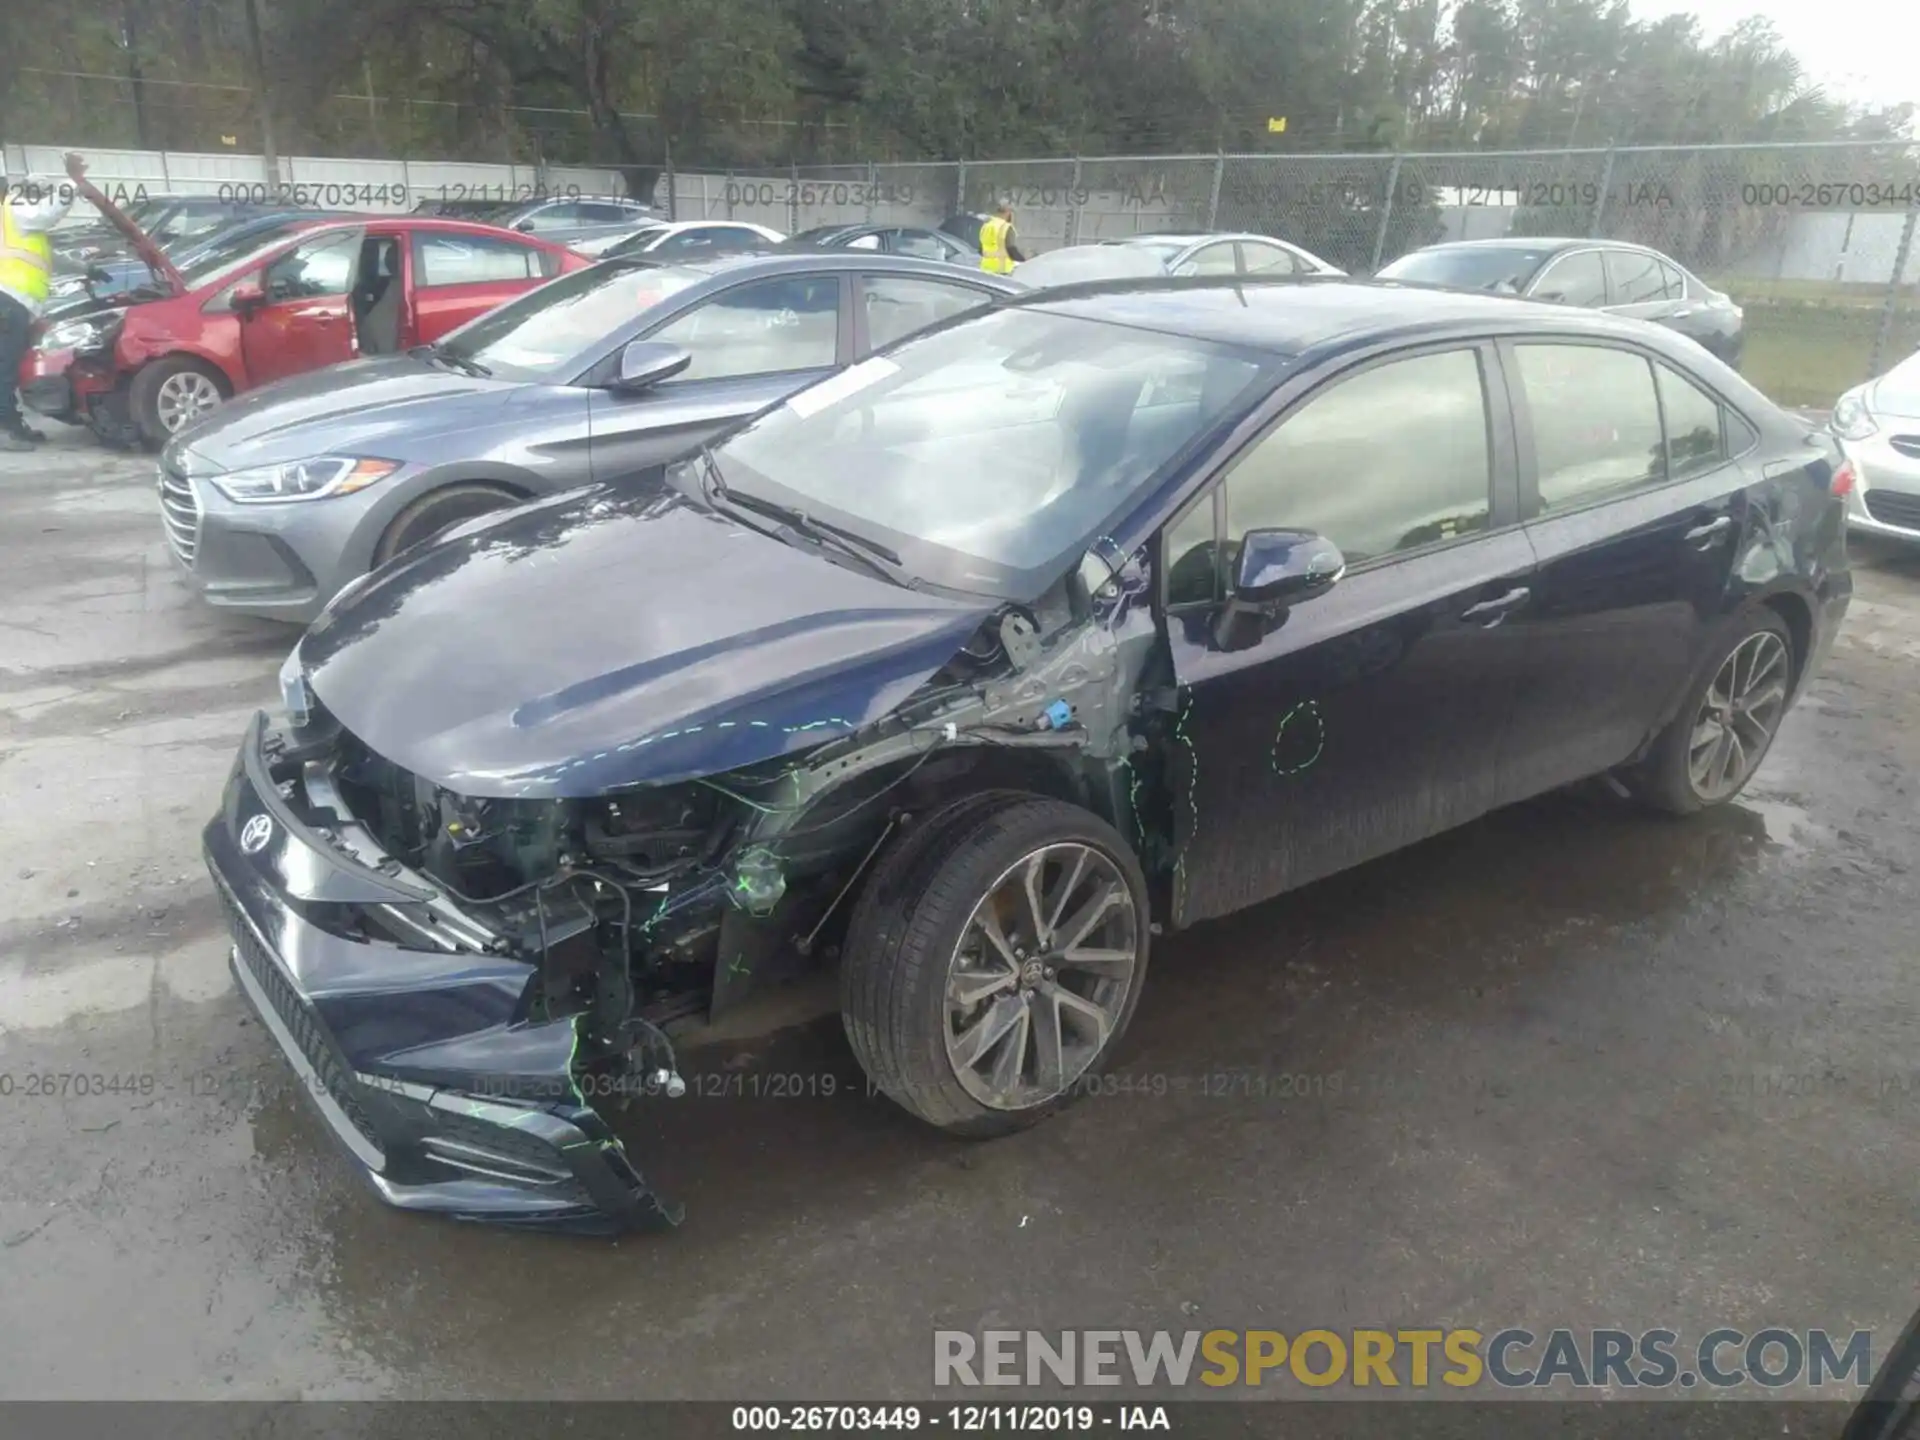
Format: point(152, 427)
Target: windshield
point(1497, 267)
point(990, 453)
point(542, 331)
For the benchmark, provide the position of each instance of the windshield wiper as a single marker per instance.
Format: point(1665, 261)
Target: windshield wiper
point(453, 361)
point(881, 559)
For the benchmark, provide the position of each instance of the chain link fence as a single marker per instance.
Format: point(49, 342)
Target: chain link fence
point(1816, 241)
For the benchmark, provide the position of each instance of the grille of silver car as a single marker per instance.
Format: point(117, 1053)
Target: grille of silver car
point(1906, 444)
point(180, 510)
point(1890, 507)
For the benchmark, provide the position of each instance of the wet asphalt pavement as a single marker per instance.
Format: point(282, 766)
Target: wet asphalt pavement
point(1569, 1066)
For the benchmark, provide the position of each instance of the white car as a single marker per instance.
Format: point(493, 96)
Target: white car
point(1142, 256)
point(1229, 253)
point(1878, 425)
point(684, 240)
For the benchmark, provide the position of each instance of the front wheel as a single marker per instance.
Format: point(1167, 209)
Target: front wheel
point(1725, 728)
point(171, 393)
point(437, 512)
point(988, 980)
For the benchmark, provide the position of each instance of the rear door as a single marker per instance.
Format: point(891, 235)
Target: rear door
point(456, 276)
point(751, 344)
point(307, 319)
point(1634, 488)
point(1378, 712)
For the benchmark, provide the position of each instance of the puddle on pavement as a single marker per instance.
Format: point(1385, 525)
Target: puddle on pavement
point(1787, 824)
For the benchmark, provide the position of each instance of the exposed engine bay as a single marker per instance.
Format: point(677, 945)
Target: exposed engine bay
point(657, 904)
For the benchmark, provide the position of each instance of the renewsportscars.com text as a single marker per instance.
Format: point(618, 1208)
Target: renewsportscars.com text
point(1513, 1358)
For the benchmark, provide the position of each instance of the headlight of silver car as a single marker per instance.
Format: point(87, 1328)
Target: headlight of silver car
point(314, 479)
point(1851, 420)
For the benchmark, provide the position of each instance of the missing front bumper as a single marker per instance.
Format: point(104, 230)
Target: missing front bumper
point(421, 1063)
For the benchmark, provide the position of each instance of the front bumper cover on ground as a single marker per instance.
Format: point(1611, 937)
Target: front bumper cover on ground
point(420, 1062)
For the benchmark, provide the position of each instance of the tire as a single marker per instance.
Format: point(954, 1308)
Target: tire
point(439, 511)
point(171, 392)
point(914, 923)
point(1669, 779)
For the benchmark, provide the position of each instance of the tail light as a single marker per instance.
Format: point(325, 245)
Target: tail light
point(1843, 477)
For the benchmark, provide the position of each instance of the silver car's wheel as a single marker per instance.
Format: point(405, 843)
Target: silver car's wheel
point(1041, 976)
point(184, 396)
point(1737, 716)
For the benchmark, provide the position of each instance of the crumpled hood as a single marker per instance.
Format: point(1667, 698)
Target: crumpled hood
point(1897, 393)
point(390, 406)
point(617, 635)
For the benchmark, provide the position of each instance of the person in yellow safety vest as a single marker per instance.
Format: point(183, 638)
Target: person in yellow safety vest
point(28, 210)
point(998, 253)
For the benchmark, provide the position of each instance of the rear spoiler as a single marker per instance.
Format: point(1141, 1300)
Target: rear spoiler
point(143, 246)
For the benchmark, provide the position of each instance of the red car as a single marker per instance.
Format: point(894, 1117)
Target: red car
point(361, 286)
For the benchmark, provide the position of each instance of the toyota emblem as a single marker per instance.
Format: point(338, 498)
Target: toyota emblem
point(255, 834)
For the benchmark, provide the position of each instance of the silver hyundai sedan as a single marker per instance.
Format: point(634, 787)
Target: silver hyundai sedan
point(1878, 425)
point(283, 496)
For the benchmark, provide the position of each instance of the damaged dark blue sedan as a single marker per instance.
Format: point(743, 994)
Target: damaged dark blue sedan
point(1098, 613)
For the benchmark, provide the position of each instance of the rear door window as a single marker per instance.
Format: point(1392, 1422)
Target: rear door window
point(1268, 259)
point(1696, 434)
point(440, 260)
point(1636, 277)
point(1576, 279)
point(1596, 423)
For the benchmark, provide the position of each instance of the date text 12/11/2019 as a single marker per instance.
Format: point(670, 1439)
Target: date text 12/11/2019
point(960, 1419)
point(1590, 195)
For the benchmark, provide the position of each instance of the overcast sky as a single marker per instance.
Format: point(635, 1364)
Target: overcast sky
point(1864, 50)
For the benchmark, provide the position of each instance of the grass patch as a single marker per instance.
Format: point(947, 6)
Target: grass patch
point(1847, 295)
point(1802, 353)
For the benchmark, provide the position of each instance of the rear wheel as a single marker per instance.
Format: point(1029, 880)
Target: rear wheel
point(989, 976)
point(1723, 732)
point(436, 513)
point(171, 393)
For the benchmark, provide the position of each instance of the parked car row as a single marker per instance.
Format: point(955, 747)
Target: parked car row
point(847, 604)
point(261, 306)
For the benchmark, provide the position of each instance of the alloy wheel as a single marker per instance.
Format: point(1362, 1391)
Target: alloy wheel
point(1738, 716)
point(183, 397)
point(1041, 976)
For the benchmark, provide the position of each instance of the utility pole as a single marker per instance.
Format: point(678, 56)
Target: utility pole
point(130, 42)
point(260, 91)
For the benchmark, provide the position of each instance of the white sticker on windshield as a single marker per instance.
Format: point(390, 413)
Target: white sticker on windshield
point(852, 381)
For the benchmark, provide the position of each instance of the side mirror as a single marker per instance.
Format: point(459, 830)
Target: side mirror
point(645, 363)
point(1277, 568)
point(1284, 567)
point(247, 298)
point(526, 225)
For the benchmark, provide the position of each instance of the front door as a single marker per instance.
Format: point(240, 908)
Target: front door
point(751, 345)
point(1378, 712)
point(1636, 524)
point(306, 320)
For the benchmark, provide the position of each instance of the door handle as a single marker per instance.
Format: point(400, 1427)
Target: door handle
point(1703, 536)
point(1492, 612)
